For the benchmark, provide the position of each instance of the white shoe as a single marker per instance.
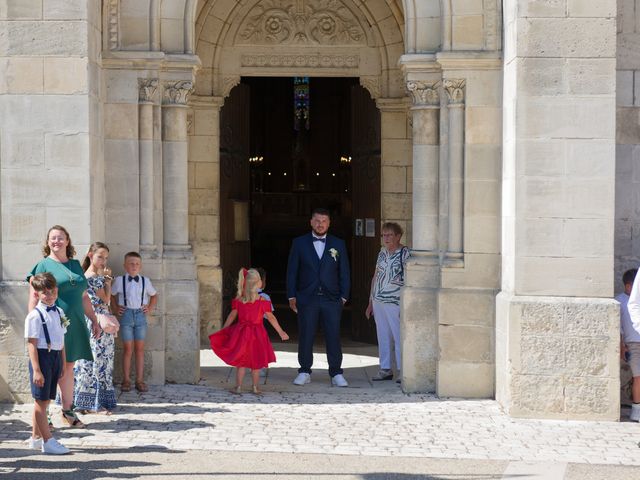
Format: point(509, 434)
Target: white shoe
point(339, 381)
point(302, 379)
point(53, 447)
point(635, 412)
point(34, 443)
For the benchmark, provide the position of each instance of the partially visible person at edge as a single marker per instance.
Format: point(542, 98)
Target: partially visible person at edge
point(94, 391)
point(58, 260)
point(384, 299)
point(630, 334)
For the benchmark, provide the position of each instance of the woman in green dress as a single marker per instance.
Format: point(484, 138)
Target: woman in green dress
point(58, 260)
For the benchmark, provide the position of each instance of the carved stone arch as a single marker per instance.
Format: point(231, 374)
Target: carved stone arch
point(220, 25)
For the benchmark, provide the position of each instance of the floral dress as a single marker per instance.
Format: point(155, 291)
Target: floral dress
point(93, 389)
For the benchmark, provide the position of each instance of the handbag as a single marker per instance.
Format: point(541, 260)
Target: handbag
point(108, 323)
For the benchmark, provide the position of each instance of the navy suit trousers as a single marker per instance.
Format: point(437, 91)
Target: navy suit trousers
point(328, 313)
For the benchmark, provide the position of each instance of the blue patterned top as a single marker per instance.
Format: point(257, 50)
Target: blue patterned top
point(390, 275)
point(93, 284)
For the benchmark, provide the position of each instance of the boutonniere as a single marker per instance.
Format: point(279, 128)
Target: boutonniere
point(64, 321)
point(334, 254)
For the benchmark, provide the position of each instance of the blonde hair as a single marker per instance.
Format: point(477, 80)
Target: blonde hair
point(248, 284)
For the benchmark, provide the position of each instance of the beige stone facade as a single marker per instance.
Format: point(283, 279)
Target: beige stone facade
point(498, 156)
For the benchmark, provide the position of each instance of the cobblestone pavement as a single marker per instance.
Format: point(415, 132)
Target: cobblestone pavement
point(353, 421)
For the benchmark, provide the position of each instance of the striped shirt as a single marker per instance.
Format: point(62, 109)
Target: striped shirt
point(390, 275)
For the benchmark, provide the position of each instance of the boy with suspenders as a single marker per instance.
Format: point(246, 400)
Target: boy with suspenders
point(44, 329)
point(136, 297)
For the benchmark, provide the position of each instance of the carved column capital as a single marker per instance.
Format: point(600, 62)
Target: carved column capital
point(147, 88)
point(424, 93)
point(177, 93)
point(455, 89)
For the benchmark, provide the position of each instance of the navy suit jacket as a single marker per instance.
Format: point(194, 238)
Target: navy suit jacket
point(306, 273)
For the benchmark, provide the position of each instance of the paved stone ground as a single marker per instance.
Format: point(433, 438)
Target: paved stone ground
point(367, 419)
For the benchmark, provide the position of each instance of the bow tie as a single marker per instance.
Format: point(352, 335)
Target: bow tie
point(135, 279)
point(316, 239)
point(51, 309)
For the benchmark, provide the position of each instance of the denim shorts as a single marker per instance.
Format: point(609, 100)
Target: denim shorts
point(51, 368)
point(133, 325)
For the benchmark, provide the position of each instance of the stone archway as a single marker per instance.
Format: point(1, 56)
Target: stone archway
point(339, 38)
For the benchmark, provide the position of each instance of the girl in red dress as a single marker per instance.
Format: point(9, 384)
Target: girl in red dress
point(245, 344)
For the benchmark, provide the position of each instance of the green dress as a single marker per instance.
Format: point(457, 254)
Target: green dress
point(71, 286)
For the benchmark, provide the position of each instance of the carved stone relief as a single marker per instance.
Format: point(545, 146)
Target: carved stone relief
point(372, 84)
point(112, 27)
point(455, 90)
point(311, 22)
point(228, 83)
point(147, 88)
point(176, 93)
point(314, 61)
point(424, 93)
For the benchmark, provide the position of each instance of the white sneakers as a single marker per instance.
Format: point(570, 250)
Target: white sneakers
point(336, 381)
point(34, 443)
point(339, 381)
point(302, 379)
point(635, 412)
point(53, 447)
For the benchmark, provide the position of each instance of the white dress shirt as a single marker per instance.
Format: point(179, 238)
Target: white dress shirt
point(33, 327)
point(319, 246)
point(134, 291)
point(632, 328)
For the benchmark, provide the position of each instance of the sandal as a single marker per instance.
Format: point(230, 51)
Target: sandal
point(142, 387)
point(256, 390)
point(70, 417)
point(237, 390)
point(126, 386)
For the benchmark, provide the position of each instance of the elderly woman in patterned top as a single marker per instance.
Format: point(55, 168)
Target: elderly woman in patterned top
point(384, 299)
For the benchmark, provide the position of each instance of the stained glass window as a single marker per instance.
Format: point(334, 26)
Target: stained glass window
point(301, 102)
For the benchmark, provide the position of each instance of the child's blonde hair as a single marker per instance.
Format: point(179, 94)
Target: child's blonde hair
point(248, 284)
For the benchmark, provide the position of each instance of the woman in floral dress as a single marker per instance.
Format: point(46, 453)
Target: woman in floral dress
point(94, 391)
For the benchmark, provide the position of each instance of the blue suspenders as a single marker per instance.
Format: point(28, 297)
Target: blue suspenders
point(124, 290)
point(46, 330)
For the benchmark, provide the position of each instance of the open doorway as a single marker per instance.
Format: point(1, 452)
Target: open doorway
point(287, 146)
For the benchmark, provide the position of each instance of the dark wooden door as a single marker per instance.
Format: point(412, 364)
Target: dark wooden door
point(235, 251)
point(365, 167)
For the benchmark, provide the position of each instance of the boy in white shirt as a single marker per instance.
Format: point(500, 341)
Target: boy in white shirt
point(44, 329)
point(630, 334)
point(135, 296)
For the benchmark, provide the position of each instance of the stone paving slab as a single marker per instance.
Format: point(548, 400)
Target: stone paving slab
point(339, 421)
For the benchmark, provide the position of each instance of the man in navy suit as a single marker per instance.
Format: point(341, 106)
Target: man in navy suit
point(318, 287)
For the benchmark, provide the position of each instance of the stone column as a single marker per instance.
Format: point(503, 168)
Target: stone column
point(419, 300)
point(557, 332)
point(426, 150)
point(455, 102)
point(174, 166)
point(147, 91)
point(182, 354)
point(204, 208)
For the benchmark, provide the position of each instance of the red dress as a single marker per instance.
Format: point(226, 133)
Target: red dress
point(245, 343)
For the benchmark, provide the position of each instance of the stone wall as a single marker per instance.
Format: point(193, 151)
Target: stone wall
point(627, 223)
point(558, 212)
point(50, 154)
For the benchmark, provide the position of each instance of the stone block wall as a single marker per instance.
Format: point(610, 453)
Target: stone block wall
point(562, 357)
point(50, 151)
point(204, 208)
point(557, 331)
point(627, 220)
